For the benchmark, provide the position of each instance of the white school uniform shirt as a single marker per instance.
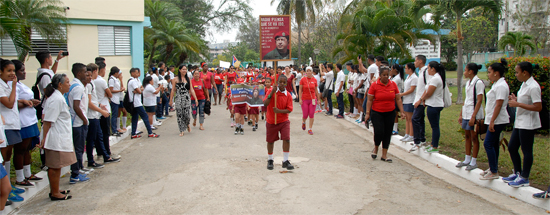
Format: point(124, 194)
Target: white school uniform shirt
point(529, 93)
point(340, 79)
point(329, 80)
point(318, 80)
point(11, 116)
point(60, 135)
point(436, 100)
point(149, 97)
point(171, 75)
point(468, 108)
point(298, 78)
point(155, 84)
point(100, 87)
point(420, 85)
point(372, 69)
point(115, 84)
point(45, 79)
point(499, 91)
point(78, 93)
point(132, 85)
point(27, 114)
point(91, 89)
point(351, 77)
point(410, 82)
point(397, 79)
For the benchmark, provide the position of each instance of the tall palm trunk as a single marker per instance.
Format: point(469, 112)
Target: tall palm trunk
point(153, 50)
point(27, 31)
point(459, 59)
point(169, 49)
point(182, 57)
point(299, 43)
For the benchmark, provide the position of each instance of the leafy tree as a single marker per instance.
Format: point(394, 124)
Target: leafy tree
point(47, 17)
point(474, 27)
point(458, 8)
point(519, 41)
point(249, 33)
point(532, 16)
point(10, 26)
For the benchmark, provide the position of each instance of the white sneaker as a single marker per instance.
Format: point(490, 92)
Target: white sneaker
point(409, 139)
point(157, 123)
point(404, 138)
point(414, 148)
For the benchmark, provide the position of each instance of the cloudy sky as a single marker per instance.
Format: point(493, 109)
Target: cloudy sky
point(260, 7)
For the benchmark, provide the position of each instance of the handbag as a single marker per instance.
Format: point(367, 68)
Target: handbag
point(350, 90)
point(326, 92)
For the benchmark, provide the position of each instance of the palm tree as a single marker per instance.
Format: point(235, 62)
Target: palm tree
point(170, 33)
point(157, 10)
point(458, 8)
point(301, 9)
point(47, 17)
point(517, 40)
point(10, 26)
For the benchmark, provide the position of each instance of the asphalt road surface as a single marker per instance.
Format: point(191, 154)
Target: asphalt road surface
point(216, 172)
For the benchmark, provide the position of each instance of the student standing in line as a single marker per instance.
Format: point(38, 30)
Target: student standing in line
point(58, 135)
point(528, 104)
point(408, 98)
point(329, 85)
point(496, 116)
point(340, 89)
point(433, 100)
point(351, 78)
point(116, 89)
point(78, 103)
point(397, 74)
point(418, 114)
point(135, 89)
point(279, 129)
point(472, 111)
point(308, 98)
point(122, 114)
point(370, 74)
point(149, 98)
point(103, 95)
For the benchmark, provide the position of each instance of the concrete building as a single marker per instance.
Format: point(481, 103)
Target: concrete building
point(530, 8)
point(106, 28)
point(219, 48)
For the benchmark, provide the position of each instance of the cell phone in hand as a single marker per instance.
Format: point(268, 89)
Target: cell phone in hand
point(359, 56)
point(65, 53)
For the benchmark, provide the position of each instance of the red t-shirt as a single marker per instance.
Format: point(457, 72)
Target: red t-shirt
point(290, 83)
point(384, 96)
point(240, 80)
point(207, 79)
point(284, 101)
point(198, 88)
point(309, 88)
point(230, 77)
point(249, 76)
point(218, 78)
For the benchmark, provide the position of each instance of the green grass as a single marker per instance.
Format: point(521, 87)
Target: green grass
point(453, 75)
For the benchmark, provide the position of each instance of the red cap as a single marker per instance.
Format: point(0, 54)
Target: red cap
point(282, 34)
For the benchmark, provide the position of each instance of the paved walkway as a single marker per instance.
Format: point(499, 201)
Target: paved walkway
point(217, 172)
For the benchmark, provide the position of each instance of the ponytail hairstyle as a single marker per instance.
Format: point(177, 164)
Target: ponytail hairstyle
point(146, 81)
point(411, 66)
point(400, 70)
point(114, 70)
point(474, 67)
point(501, 67)
point(54, 85)
point(439, 69)
point(5, 63)
point(524, 66)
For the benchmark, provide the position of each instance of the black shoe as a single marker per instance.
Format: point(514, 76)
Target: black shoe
point(253, 128)
point(95, 165)
point(262, 117)
point(111, 160)
point(249, 122)
point(287, 165)
point(237, 130)
point(242, 131)
point(8, 202)
point(270, 164)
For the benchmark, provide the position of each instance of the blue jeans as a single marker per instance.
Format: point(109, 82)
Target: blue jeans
point(419, 125)
point(524, 139)
point(139, 111)
point(329, 100)
point(114, 116)
point(95, 138)
point(79, 141)
point(491, 143)
point(340, 101)
point(165, 103)
point(201, 110)
point(364, 107)
point(434, 114)
point(159, 108)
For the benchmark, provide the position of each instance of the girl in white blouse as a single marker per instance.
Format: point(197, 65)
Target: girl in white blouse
point(496, 116)
point(398, 74)
point(528, 104)
point(408, 99)
point(471, 112)
point(433, 100)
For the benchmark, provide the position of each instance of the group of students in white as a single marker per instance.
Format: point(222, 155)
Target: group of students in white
point(426, 92)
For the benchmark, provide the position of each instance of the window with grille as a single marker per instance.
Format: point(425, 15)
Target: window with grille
point(114, 40)
point(38, 43)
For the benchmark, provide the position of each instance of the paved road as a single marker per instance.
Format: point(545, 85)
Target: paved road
point(216, 172)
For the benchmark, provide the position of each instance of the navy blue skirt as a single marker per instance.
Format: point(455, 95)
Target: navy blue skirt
point(30, 131)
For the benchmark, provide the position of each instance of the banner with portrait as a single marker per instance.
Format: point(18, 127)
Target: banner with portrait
point(275, 36)
point(245, 94)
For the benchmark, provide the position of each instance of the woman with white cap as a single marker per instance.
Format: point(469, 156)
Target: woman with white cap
point(308, 98)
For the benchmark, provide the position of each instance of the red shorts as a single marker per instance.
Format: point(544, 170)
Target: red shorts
point(240, 108)
point(254, 110)
point(272, 131)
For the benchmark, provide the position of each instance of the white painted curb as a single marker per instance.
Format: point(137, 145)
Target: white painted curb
point(45, 184)
point(524, 194)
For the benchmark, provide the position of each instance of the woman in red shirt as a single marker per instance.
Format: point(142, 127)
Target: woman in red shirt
point(202, 96)
point(218, 79)
point(308, 98)
point(382, 99)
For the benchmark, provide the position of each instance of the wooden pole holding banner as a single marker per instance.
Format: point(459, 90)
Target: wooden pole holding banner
point(277, 85)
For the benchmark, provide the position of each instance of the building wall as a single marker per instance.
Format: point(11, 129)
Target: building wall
point(119, 10)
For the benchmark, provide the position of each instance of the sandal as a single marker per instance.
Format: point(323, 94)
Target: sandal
point(64, 192)
point(67, 197)
point(373, 155)
point(386, 160)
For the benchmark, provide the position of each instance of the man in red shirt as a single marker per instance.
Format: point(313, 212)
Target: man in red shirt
point(281, 107)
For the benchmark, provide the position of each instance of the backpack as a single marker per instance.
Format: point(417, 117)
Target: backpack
point(126, 103)
point(447, 100)
point(66, 95)
point(544, 116)
point(36, 93)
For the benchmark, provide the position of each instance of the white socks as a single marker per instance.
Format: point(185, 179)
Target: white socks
point(473, 162)
point(7, 166)
point(285, 155)
point(19, 177)
point(154, 119)
point(395, 126)
point(124, 119)
point(270, 156)
point(355, 111)
point(406, 136)
point(467, 159)
point(118, 123)
point(27, 171)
